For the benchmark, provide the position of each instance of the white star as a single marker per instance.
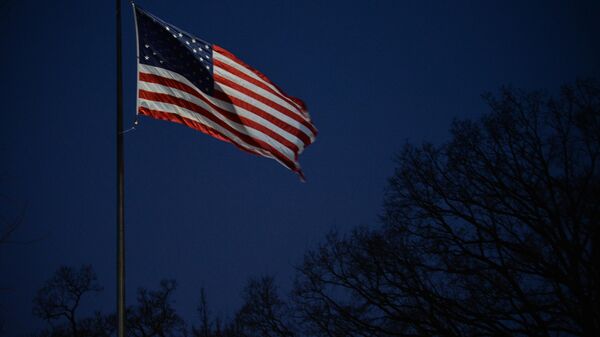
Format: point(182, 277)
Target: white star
point(180, 35)
point(195, 50)
point(206, 46)
point(193, 40)
point(207, 68)
point(146, 57)
point(175, 36)
point(147, 46)
point(187, 42)
point(167, 27)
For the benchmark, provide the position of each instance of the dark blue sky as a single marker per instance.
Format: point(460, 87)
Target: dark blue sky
point(373, 73)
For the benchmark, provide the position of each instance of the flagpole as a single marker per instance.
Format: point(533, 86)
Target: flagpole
point(120, 186)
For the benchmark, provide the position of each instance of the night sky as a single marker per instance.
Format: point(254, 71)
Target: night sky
point(374, 75)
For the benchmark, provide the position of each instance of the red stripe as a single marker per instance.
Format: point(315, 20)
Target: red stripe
point(264, 100)
point(152, 96)
point(171, 117)
point(258, 83)
point(257, 111)
point(235, 119)
point(152, 78)
point(298, 102)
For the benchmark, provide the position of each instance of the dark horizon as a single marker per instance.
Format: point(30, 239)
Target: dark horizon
point(374, 76)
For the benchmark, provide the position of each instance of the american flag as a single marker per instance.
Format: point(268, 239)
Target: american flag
point(186, 80)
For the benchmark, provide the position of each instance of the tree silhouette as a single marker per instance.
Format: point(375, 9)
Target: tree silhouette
point(206, 324)
point(154, 314)
point(491, 234)
point(212, 327)
point(58, 301)
point(264, 313)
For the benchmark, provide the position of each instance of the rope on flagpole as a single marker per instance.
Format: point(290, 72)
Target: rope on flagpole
point(133, 128)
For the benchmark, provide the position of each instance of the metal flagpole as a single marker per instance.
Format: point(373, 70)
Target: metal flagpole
point(120, 186)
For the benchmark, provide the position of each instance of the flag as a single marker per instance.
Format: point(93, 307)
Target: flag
point(187, 80)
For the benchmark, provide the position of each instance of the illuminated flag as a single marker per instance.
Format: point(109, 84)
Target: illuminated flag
point(186, 80)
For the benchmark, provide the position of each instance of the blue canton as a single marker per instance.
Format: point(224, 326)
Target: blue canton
point(163, 45)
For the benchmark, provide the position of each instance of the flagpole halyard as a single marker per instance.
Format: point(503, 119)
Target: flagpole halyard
point(120, 184)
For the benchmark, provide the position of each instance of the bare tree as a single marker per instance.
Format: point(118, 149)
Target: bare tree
point(154, 314)
point(205, 328)
point(98, 325)
point(264, 313)
point(491, 234)
point(58, 301)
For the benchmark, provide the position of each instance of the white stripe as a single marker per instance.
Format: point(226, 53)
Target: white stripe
point(191, 115)
point(251, 132)
point(144, 68)
point(265, 93)
point(260, 105)
point(223, 58)
point(154, 87)
point(175, 76)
